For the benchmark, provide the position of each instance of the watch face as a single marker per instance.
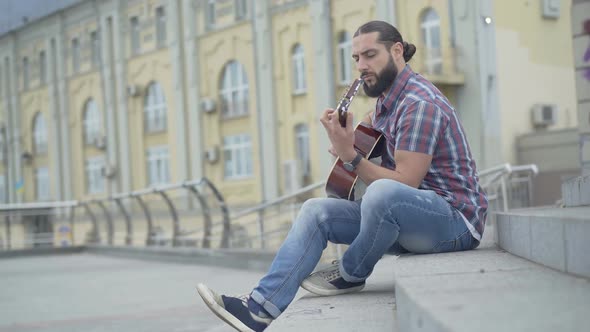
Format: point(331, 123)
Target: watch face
point(348, 167)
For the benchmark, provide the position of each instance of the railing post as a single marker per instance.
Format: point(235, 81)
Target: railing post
point(261, 228)
point(72, 218)
point(206, 215)
point(174, 214)
point(95, 231)
point(8, 232)
point(148, 217)
point(129, 236)
point(504, 193)
point(224, 212)
point(110, 228)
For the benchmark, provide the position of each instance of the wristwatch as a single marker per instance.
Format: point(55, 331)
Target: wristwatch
point(351, 165)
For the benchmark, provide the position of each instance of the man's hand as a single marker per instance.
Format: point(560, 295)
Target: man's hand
point(342, 138)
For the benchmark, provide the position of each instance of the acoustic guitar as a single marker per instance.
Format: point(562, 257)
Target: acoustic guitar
point(367, 141)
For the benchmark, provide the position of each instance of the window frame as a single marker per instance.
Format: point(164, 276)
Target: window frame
point(237, 157)
point(92, 124)
point(161, 32)
point(75, 55)
point(95, 180)
point(39, 134)
point(344, 58)
point(158, 165)
point(430, 29)
point(302, 148)
point(42, 190)
point(298, 70)
point(234, 91)
point(134, 35)
point(155, 109)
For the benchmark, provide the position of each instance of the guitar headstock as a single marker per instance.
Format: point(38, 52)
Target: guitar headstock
point(346, 99)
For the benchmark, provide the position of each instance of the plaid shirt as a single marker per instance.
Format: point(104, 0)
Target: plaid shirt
point(414, 115)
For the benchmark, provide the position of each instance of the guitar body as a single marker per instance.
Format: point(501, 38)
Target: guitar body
point(369, 143)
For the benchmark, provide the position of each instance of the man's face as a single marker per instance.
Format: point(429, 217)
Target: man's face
point(374, 62)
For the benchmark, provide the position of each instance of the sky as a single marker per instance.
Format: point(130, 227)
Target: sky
point(13, 11)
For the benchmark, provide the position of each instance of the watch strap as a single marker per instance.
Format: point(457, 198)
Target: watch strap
point(356, 161)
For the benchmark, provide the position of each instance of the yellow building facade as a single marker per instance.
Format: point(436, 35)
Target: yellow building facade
point(106, 97)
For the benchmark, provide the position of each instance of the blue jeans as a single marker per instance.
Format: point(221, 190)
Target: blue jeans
point(391, 218)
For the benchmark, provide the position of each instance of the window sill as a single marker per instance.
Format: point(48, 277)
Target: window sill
point(235, 116)
point(299, 93)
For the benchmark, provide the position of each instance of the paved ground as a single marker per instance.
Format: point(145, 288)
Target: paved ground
point(92, 293)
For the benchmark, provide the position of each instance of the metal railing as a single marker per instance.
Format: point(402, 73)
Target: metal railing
point(203, 190)
point(258, 226)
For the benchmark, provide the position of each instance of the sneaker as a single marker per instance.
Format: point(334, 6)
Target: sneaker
point(328, 282)
point(233, 310)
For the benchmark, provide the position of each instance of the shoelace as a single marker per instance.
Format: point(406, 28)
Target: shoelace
point(332, 274)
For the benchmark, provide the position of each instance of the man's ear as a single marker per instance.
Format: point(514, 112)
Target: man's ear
point(397, 51)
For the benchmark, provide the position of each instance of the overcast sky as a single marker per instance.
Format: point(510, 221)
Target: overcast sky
point(13, 11)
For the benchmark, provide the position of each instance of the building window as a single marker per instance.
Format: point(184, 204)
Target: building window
point(302, 148)
point(26, 73)
point(42, 68)
point(42, 183)
point(160, 26)
point(345, 57)
point(39, 134)
point(430, 26)
point(134, 35)
point(92, 123)
point(95, 182)
point(298, 60)
point(234, 90)
point(75, 55)
point(157, 165)
point(95, 41)
point(237, 152)
point(241, 9)
point(211, 15)
point(155, 109)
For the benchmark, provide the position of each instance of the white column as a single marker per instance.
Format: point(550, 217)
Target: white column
point(55, 148)
point(324, 74)
point(120, 85)
point(191, 51)
point(174, 19)
point(106, 19)
point(265, 95)
point(14, 135)
point(63, 109)
point(5, 83)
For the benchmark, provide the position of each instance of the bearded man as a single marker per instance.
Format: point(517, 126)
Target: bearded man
point(424, 197)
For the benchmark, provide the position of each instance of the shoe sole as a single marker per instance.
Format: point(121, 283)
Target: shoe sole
point(310, 287)
point(220, 311)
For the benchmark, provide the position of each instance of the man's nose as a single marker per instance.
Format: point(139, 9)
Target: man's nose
point(361, 65)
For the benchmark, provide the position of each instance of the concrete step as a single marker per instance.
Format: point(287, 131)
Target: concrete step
point(373, 309)
point(487, 289)
point(555, 237)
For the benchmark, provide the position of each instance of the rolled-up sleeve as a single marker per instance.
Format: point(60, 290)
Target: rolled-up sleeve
point(420, 127)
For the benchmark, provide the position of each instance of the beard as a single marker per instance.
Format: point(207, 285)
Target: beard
point(383, 80)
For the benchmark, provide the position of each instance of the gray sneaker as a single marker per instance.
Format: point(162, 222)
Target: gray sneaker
point(329, 282)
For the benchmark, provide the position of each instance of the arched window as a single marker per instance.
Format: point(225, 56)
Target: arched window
point(302, 148)
point(155, 109)
point(39, 134)
point(92, 123)
point(298, 59)
point(430, 27)
point(234, 90)
point(344, 57)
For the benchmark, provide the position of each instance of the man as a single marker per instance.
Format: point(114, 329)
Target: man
point(424, 198)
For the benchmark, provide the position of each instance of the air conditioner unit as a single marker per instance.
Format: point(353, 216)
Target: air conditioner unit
point(551, 8)
point(544, 115)
point(109, 171)
point(212, 154)
point(133, 90)
point(292, 179)
point(208, 105)
point(100, 142)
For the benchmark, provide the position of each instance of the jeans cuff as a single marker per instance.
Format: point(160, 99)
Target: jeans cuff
point(347, 276)
point(267, 305)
